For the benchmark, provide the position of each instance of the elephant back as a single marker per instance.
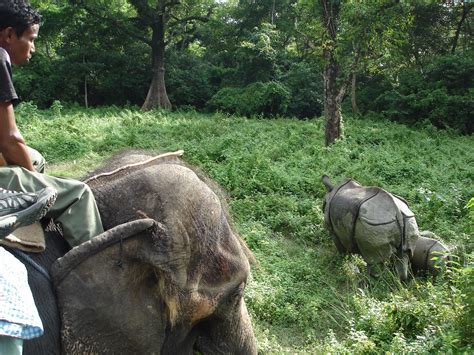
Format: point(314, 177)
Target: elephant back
point(38, 266)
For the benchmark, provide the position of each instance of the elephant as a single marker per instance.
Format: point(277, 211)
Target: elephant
point(371, 222)
point(430, 254)
point(168, 274)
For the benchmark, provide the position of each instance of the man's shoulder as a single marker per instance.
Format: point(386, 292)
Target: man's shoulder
point(4, 57)
point(7, 90)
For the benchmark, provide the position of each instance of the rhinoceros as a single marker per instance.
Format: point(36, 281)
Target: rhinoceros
point(430, 254)
point(167, 276)
point(371, 222)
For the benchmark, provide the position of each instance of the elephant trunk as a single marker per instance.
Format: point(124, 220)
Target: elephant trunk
point(232, 335)
point(248, 343)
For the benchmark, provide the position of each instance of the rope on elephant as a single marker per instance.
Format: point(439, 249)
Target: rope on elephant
point(177, 153)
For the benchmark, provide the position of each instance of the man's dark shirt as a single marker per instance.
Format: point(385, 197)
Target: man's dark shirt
point(7, 90)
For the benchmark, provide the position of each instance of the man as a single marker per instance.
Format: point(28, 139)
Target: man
point(75, 207)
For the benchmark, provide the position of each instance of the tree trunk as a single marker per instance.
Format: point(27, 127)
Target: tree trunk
point(273, 12)
point(332, 99)
point(332, 110)
point(86, 93)
point(157, 96)
point(355, 109)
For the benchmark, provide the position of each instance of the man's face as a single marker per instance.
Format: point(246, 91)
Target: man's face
point(21, 48)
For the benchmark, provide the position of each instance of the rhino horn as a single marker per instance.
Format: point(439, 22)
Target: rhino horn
point(327, 182)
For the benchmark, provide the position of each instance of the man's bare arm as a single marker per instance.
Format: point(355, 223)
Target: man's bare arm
point(12, 144)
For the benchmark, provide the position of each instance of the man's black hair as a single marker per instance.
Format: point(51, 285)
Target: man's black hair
point(17, 14)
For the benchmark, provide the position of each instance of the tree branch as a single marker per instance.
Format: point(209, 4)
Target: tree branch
point(189, 18)
point(113, 21)
point(465, 10)
point(347, 81)
point(309, 41)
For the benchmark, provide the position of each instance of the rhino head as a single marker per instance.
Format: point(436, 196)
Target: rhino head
point(430, 254)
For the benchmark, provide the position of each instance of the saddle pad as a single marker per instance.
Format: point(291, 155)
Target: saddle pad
point(29, 239)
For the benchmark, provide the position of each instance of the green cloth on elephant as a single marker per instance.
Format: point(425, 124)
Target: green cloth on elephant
point(11, 346)
point(75, 207)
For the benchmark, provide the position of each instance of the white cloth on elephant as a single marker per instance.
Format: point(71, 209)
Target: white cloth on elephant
point(19, 317)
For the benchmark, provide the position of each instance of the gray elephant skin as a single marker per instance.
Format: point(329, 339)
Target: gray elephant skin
point(371, 222)
point(167, 276)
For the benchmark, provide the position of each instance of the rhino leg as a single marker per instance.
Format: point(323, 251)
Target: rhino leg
point(401, 265)
point(340, 248)
point(374, 270)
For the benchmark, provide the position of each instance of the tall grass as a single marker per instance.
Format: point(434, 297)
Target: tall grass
point(303, 296)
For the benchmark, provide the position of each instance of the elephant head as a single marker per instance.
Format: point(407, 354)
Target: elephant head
point(129, 291)
point(198, 260)
point(372, 222)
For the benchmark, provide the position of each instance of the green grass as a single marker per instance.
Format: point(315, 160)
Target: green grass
point(303, 296)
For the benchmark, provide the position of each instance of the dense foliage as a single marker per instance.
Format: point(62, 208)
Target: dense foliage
point(304, 297)
point(409, 61)
point(442, 95)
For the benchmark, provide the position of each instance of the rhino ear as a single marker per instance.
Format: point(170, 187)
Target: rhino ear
point(327, 182)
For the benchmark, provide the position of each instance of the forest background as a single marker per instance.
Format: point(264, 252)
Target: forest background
point(409, 61)
point(248, 81)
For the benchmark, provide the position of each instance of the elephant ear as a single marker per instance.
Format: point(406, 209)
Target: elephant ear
point(63, 266)
point(111, 298)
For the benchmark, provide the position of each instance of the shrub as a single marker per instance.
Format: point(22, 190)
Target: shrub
point(189, 80)
point(40, 81)
point(227, 100)
point(307, 90)
point(267, 99)
point(441, 95)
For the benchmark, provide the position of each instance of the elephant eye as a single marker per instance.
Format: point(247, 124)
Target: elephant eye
point(238, 292)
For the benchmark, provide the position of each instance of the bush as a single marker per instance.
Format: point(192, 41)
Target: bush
point(267, 99)
point(441, 95)
point(189, 80)
point(307, 90)
point(40, 81)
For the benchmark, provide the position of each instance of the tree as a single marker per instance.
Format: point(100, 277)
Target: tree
point(344, 35)
point(153, 23)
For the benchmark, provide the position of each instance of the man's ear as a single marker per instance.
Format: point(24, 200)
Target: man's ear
point(7, 34)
